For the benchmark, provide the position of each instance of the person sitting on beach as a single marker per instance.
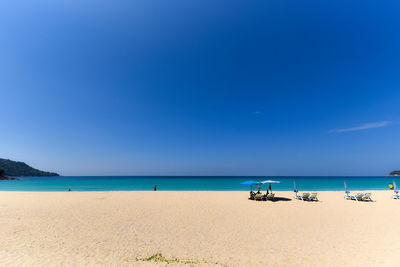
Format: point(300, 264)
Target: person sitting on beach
point(252, 194)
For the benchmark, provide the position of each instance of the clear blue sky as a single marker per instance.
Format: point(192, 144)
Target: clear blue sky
point(201, 87)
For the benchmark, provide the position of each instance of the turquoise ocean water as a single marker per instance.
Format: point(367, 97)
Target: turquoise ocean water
point(225, 183)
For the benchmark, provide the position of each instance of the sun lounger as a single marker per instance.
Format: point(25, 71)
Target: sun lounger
point(271, 197)
point(252, 195)
point(358, 197)
point(305, 196)
point(259, 197)
point(396, 193)
point(367, 197)
point(313, 197)
point(298, 197)
point(347, 191)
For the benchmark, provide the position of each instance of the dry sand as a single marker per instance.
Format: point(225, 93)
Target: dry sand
point(196, 228)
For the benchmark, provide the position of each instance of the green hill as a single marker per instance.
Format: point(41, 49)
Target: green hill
point(16, 168)
point(394, 173)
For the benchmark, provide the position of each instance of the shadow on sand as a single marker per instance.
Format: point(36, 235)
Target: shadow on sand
point(281, 199)
point(276, 199)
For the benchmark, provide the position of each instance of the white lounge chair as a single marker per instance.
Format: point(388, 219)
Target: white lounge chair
point(358, 197)
point(271, 196)
point(347, 196)
point(298, 197)
point(259, 197)
point(313, 197)
point(396, 191)
point(367, 197)
point(305, 196)
point(347, 191)
point(396, 194)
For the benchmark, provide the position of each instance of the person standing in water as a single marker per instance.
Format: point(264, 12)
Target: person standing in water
point(155, 188)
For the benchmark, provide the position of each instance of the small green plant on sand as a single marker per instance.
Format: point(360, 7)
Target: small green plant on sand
point(160, 258)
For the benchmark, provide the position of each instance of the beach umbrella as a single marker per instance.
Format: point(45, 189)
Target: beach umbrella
point(251, 183)
point(346, 188)
point(295, 187)
point(270, 182)
point(395, 187)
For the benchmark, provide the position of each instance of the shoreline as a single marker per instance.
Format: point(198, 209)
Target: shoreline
point(262, 191)
point(60, 184)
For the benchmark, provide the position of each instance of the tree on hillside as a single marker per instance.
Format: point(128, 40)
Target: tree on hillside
point(395, 173)
point(2, 172)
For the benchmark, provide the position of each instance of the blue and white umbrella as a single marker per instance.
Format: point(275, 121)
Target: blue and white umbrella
point(251, 183)
point(269, 182)
point(346, 188)
point(295, 187)
point(395, 187)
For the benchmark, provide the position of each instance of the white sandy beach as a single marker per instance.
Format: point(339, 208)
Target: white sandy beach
point(196, 229)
